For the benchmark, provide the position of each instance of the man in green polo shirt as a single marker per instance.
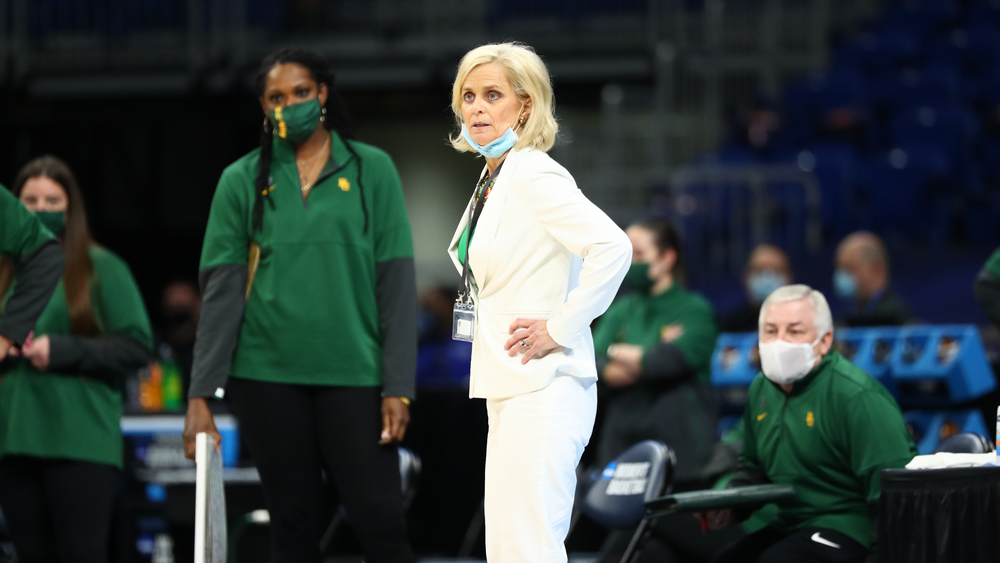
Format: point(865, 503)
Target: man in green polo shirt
point(39, 263)
point(815, 421)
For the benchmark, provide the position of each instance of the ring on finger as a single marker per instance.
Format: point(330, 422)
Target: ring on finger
point(524, 344)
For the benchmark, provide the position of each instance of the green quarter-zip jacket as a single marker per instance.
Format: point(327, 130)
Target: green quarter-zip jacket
point(333, 301)
point(73, 409)
point(38, 263)
point(672, 400)
point(830, 438)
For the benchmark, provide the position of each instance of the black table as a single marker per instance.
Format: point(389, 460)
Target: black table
point(939, 515)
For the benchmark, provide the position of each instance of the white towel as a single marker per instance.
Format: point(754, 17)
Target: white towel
point(944, 459)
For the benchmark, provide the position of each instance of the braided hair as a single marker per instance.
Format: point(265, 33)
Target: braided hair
point(337, 119)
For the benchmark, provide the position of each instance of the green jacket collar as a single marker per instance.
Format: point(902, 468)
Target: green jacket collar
point(340, 156)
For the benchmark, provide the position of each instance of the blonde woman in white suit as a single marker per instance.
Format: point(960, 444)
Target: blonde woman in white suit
point(544, 262)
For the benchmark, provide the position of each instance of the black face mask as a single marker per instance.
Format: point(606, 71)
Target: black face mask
point(174, 321)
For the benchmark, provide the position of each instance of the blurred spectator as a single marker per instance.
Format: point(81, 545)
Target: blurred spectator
point(767, 270)
point(862, 277)
point(61, 403)
point(761, 128)
point(436, 308)
point(816, 421)
point(180, 306)
point(442, 363)
point(654, 347)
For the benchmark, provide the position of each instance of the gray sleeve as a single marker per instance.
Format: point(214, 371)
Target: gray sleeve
point(37, 276)
point(396, 296)
point(108, 358)
point(223, 301)
point(987, 290)
point(665, 361)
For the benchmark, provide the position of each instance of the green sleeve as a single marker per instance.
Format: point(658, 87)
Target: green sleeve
point(993, 264)
point(608, 326)
point(393, 238)
point(749, 458)
point(227, 236)
point(875, 438)
point(697, 343)
point(20, 232)
point(122, 310)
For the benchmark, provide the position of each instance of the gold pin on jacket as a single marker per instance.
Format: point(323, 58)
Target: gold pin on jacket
point(344, 184)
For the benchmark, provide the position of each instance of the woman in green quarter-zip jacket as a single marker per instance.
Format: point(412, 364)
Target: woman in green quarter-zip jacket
point(39, 261)
point(308, 324)
point(61, 402)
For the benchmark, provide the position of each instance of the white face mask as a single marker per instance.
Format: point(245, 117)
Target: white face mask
point(784, 362)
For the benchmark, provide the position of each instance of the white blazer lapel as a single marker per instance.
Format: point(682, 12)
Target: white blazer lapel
point(489, 221)
point(453, 247)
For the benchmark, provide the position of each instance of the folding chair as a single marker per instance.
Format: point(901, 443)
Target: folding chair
point(617, 499)
point(965, 443)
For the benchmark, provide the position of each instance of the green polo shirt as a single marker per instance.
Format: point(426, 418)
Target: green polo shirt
point(640, 319)
point(20, 231)
point(830, 438)
point(312, 316)
point(66, 415)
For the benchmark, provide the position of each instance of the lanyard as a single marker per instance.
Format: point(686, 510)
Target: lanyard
point(478, 202)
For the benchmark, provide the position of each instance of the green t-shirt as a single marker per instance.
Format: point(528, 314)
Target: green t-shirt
point(67, 415)
point(641, 319)
point(312, 315)
point(830, 439)
point(20, 231)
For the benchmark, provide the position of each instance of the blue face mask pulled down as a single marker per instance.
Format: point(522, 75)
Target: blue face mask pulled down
point(763, 283)
point(497, 148)
point(844, 285)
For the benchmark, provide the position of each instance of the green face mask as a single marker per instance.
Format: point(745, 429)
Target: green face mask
point(54, 221)
point(296, 122)
point(637, 277)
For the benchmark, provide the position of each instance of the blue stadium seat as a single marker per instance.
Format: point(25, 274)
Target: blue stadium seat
point(878, 53)
point(932, 86)
point(922, 16)
point(898, 186)
point(952, 128)
point(836, 168)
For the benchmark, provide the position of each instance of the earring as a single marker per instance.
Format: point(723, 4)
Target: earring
point(267, 125)
point(522, 120)
point(322, 117)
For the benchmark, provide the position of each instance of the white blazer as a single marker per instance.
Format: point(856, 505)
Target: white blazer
point(525, 255)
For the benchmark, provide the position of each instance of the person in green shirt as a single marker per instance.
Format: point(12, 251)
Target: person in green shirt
point(815, 421)
point(654, 348)
point(61, 402)
point(36, 256)
point(308, 319)
point(987, 288)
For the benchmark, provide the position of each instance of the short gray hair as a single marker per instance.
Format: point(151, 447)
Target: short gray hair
point(822, 316)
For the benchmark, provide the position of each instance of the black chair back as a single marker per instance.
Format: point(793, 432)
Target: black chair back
point(644, 472)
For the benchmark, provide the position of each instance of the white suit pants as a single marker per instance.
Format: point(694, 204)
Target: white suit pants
point(534, 445)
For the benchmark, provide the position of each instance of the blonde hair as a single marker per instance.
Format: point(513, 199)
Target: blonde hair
point(822, 318)
point(530, 78)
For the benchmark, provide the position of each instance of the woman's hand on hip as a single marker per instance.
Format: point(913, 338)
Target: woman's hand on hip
point(531, 337)
point(199, 419)
point(395, 418)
